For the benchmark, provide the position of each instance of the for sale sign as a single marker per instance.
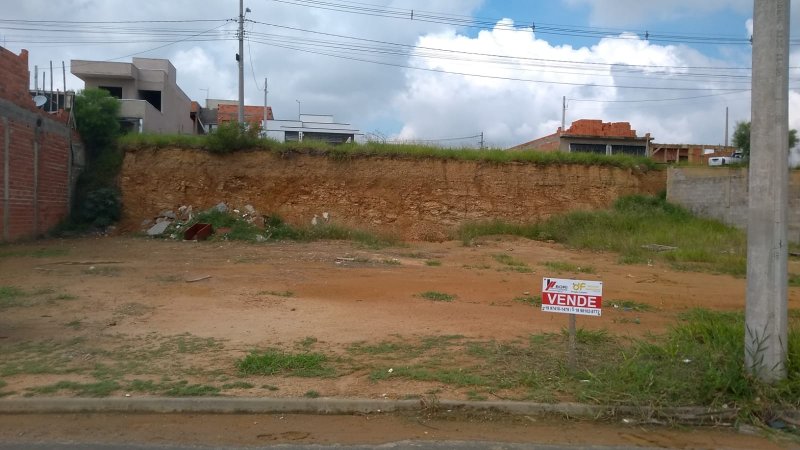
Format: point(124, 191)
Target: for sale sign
point(572, 296)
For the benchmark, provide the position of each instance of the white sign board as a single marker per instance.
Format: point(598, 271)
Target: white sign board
point(581, 297)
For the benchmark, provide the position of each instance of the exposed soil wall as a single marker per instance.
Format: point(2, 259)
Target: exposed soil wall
point(412, 198)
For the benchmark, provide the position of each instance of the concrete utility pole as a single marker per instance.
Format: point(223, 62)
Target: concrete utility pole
point(241, 62)
point(767, 247)
point(265, 107)
point(726, 126)
point(563, 113)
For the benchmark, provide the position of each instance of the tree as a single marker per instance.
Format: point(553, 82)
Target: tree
point(741, 138)
point(96, 118)
point(97, 200)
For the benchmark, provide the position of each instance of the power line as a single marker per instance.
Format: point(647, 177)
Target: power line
point(530, 25)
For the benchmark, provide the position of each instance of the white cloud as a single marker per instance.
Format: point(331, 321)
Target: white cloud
point(438, 105)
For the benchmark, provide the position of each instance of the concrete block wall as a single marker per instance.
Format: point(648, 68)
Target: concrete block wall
point(36, 157)
point(722, 193)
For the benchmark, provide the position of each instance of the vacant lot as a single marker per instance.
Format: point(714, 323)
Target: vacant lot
point(135, 316)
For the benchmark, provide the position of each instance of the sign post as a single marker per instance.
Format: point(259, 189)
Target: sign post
point(573, 297)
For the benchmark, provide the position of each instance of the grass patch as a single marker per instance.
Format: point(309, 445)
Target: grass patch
point(274, 362)
point(132, 142)
point(35, 253)
point(311, 394)
point(529, 300)
point(11, 296)
point(392, 262)
point(173, 389)
point(562, 266)
point(630, 305)
point(699, 362)
point(103, 271)
point(794, 279)
point(270, 387)
point(238, 385)
point(512, 264)
point(286, 294)
point(99, 389)
point(74, 324)
point(437, 296)
point(633, 222)
point(433, 263)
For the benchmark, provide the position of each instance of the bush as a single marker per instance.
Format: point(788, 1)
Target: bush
point(233, 136)
point(100, 207)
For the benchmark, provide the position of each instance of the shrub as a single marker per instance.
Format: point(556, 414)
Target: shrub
point(100, 207)
point(233, 136)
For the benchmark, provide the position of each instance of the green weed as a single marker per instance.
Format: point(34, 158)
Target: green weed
point(629, 305)
point(311, 394)
point(433, 263)
point(238, 385)
point(529, 300)
point(11, 296)
point(437, 296)
point(562, 266)
point(286, 294)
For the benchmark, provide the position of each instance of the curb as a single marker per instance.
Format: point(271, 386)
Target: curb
point(217, 405)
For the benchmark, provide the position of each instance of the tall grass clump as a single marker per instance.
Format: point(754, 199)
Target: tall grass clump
point(633, 222)
point(699, 362)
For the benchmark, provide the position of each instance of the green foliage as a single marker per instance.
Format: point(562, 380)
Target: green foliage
point(699, 362)
point(273, 361)
point(96, 118)
point(98, 389)
point(100, 208)
point(741, 138)
point(530, 300)
point(233, 136)
point(634, 221)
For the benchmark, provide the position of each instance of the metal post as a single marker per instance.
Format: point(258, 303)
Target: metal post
point(563, 114)
point(241, 62)
point(767, 253)
point(572, 345)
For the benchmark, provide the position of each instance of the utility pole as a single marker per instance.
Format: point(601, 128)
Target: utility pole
point(767, 252)
point(563, 114)
point(726, 126)
point(265, 107)
point(51, 86)
point(241, 62)
point(481, 140)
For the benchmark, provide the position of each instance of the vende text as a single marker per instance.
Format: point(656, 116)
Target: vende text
point(576, 300)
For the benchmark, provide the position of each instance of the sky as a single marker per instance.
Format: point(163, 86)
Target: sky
point(441, 72)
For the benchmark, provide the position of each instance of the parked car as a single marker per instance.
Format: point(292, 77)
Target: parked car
point(734, 158)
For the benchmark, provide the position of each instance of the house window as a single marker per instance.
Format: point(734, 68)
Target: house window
point(588, 148)
point(114, 91)
point(632, 150)
point(152, 97)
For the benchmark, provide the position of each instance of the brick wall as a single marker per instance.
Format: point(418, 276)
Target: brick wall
point(36, 163)
point(588, 127)
point(722, 193)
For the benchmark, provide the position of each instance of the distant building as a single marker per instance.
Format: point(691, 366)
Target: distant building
point(150, 98)
point(688, 153)
point(217, 112)
point(316, 127)
point(593, 136)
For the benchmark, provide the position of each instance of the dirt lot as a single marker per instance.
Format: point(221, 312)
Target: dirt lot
point(156, 317)
point(174, 314)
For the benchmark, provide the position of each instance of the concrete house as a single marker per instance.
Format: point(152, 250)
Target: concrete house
point(317, 127)
point(593, 136)
point(151, 100)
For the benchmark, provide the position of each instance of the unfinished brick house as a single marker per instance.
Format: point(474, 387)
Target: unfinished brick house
point(593, 136)
point(39, 156)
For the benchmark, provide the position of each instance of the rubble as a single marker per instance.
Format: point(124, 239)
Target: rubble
point(158, 229)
